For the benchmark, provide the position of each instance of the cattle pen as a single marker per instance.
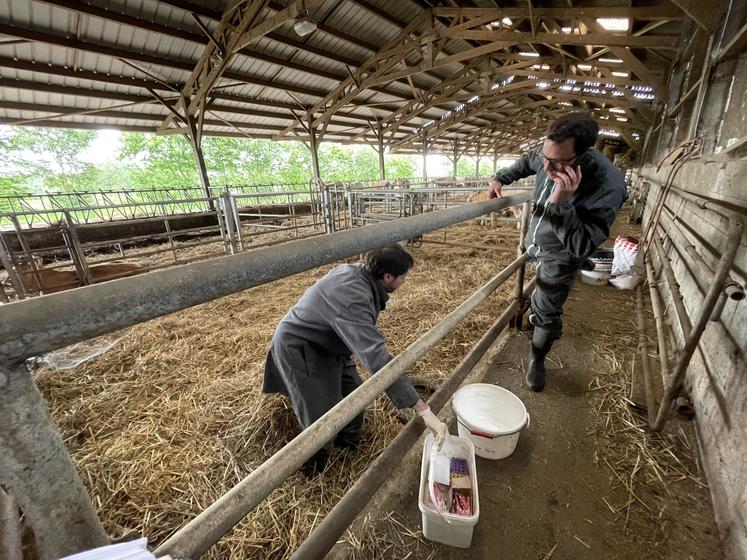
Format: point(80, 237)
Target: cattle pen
point(207, 179)
point(165, 227)
point(143, 297)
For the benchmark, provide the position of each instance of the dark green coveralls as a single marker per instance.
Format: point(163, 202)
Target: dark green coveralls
point(562, 236)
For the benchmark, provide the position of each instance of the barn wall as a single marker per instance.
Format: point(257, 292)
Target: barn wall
point(716, 379)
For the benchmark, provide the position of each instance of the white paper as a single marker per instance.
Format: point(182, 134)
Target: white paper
point(131, 550)
point(442, 469)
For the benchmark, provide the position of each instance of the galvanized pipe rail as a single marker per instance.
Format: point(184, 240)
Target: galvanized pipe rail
point(692, 334)
point(39, 325)
point(193, 540)
point(334, 524)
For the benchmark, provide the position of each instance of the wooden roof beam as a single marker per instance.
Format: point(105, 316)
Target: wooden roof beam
point(661, 11)
point(645, 29)
point(139, 99)
point(392, 53)
point(597, 38)
point(634, 64)
point(215, 15)
point(706, 14)
point(237, 29)
point(514, 91)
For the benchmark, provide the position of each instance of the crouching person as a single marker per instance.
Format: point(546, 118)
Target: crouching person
point(311, 355)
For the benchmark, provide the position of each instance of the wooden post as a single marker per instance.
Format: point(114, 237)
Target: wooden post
point(455, 158)
point(38, 472)
point(425, 159)
point(382, 168)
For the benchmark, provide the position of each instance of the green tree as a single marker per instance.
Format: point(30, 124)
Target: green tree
point(51, 155)
point(159, 161)
point(12, 185)
point(399, 166)
point(465, 167)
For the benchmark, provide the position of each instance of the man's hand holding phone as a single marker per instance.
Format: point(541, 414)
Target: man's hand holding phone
point(566, 180)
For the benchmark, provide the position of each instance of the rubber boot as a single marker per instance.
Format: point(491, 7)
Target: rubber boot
point(541, 343)
point(315, 464)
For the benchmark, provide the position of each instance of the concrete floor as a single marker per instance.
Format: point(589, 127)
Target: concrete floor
point(548, 499)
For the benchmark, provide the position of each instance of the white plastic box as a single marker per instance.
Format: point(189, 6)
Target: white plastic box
point(457, 531)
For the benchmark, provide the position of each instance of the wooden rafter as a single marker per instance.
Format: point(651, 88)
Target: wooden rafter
point(513, 93)
point(633, 64)
point(364, 106)
point(391, 54)
point(236, 30)
point(660, 11)
point(705, 14)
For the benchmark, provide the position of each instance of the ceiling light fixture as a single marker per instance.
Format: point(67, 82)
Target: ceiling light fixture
point(304, 25)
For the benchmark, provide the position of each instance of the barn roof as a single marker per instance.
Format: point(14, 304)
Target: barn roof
point(467, 78)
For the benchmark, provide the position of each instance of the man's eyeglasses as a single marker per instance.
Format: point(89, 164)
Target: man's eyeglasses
point(559, 163)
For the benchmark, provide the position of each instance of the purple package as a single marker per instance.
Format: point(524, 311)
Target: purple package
point(459, 466)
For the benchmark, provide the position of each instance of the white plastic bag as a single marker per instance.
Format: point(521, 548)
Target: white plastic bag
point(627, 265)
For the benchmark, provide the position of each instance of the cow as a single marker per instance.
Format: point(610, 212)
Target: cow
point(482, 196)
point(60, 280)
point(382, 184)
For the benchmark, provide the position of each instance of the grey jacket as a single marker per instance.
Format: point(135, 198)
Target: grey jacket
point(574, 229)
point(335, 318)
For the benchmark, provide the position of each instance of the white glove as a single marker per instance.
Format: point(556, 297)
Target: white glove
point(437, 428)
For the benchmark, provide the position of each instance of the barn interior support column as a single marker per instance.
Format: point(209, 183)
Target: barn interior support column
point(202, 169)
point(10, 528)
point(314, 149)
point(194, 137)
point(382, 166)
point(495, 161)
point(192, 130)
point(455, 158)
point(327, 208)
point(36, 469)
point(425, 159)
point(478, 157)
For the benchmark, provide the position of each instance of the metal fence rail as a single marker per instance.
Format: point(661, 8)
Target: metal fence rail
point(39, 325)
point(238, 218)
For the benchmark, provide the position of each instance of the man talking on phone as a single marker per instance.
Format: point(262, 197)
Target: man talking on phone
point(577, 195)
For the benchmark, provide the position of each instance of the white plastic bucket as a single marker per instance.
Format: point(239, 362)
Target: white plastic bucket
point(491, 417)
point(595, 277)
point(448, 528)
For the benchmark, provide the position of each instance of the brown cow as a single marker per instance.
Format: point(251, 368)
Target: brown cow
point(482, 196)
point(382, 184)
point(59, 280)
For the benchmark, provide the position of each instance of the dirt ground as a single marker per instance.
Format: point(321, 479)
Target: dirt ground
point(566, 493)
point(586, 481)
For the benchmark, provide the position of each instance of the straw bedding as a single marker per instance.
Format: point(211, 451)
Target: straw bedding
point(658, 473)
point(171, 417)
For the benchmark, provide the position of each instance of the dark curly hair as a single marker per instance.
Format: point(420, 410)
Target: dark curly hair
point(580, 126)
point(392, 259)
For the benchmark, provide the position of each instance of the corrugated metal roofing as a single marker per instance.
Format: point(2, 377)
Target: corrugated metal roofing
point(100, 55)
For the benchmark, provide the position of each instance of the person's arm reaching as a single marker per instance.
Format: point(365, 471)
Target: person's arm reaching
point(359, 333)
point(524, 167)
